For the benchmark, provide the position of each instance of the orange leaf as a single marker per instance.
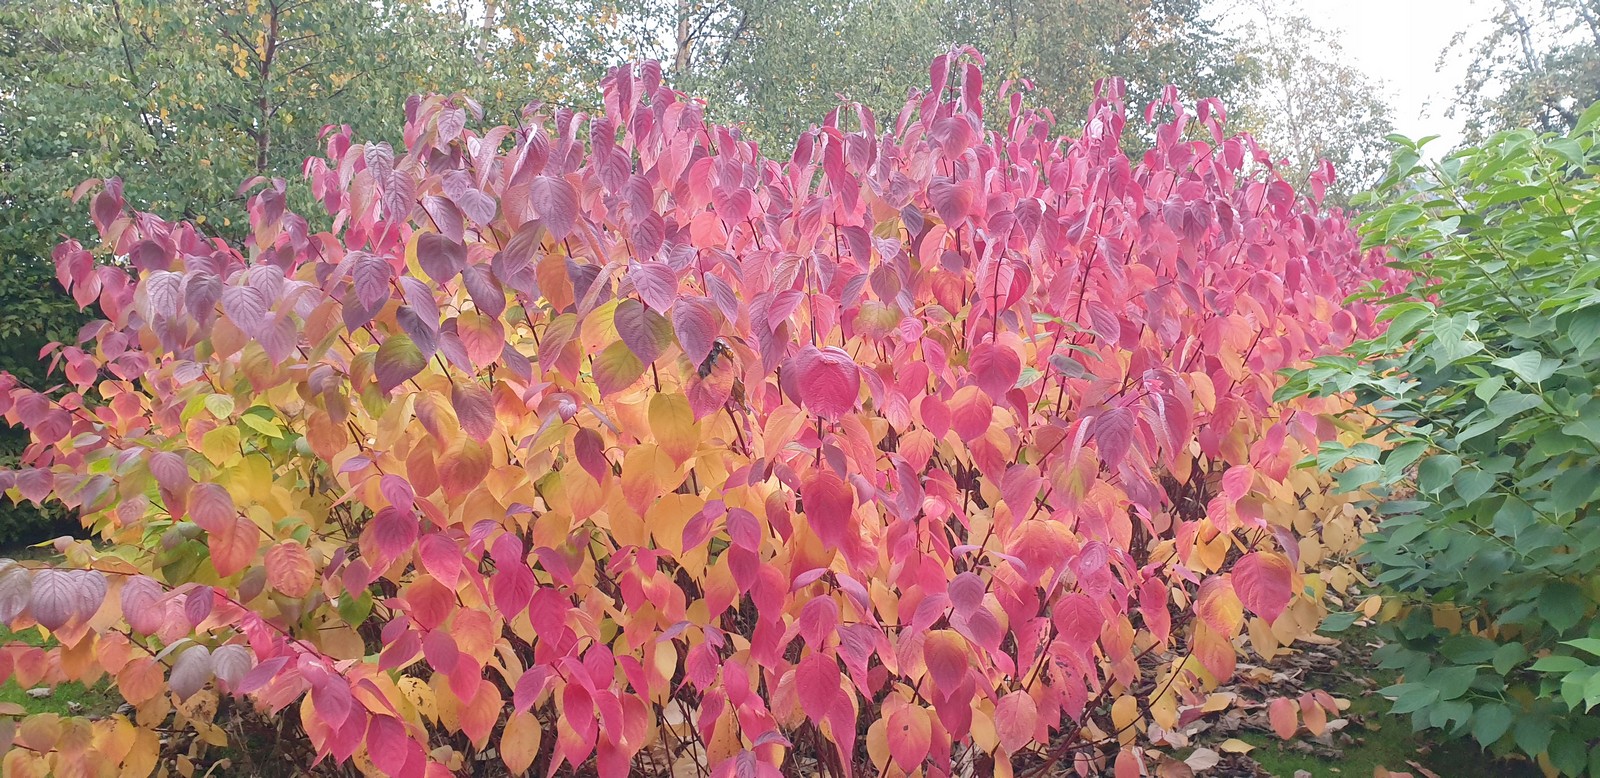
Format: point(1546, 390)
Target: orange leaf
point(1282, 713)
point(289, 569)
point(1219, 606)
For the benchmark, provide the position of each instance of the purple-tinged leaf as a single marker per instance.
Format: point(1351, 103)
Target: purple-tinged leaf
point(398, 360)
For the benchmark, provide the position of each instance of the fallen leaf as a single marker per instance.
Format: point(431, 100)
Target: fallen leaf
point(1203, 759)
point(1426, 773)
point(1234, 745)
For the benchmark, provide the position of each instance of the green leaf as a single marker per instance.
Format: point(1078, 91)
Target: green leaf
point(262, 426)
point(1472, 484)
point(1563, 605)
point(1466, 649)
point(1452, 682)
point(1410, 697)
point(1436, 472)
point(1585, 122)
point(1508, 656)
point(355, 609)
point(1558, 664)
point(398, 360)
point(1490, 722)
point(1591, 645)
point(1584, 329)
point(220, 405)
point(1530, 366)
point(1533, 734)
point(1335, 623)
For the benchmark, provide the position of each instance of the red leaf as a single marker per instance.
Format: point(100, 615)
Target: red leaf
point(1282, 713)
point(1264, 582)
point(829, 380)
point(817, 682)
point(590, 449)
point(971, 411)
point(995, 368)
point(829, 506)
point(441, 557)
point(289, 570)
point(394, 530)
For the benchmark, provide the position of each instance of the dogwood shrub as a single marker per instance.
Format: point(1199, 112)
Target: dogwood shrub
point(611, 443)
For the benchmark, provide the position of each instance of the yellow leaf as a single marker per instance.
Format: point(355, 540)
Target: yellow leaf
point(672, 422)
point(519, 743)
point(220, 405)
point(262, 426)
point(1125, 717)
point(1234, 745)
point(221, 445)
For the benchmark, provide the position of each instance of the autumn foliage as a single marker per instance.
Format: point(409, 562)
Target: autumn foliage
point(611, 444)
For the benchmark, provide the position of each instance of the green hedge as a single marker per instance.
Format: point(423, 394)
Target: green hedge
point(1487, 390)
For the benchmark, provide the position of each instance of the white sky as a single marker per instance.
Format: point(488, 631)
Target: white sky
point(1398, 42)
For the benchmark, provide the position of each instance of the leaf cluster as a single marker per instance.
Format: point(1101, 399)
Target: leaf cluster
point(1487, 426)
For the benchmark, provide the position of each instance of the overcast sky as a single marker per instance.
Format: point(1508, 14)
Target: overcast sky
point(1398, 42)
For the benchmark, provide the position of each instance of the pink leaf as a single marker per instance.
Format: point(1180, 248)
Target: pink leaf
point(441, 257)
point(656, 283)
point(817, 682)
point(696, 324)
point(829, 505)
point(829, 380)
point(211, 507)
point(16, 588)
point(53, 600)
point(191, 672)
point(556, 203)
point(140, 597)
point(230, 663)
point(995, 368)
point(1015, 719)
point(474, 408)
point(646, 332)
point(1264, 582)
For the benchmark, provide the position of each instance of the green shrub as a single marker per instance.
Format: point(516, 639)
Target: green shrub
point(34, 311)
point(1485, 390)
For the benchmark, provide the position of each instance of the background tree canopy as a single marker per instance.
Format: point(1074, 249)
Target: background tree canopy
point(185, 99)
